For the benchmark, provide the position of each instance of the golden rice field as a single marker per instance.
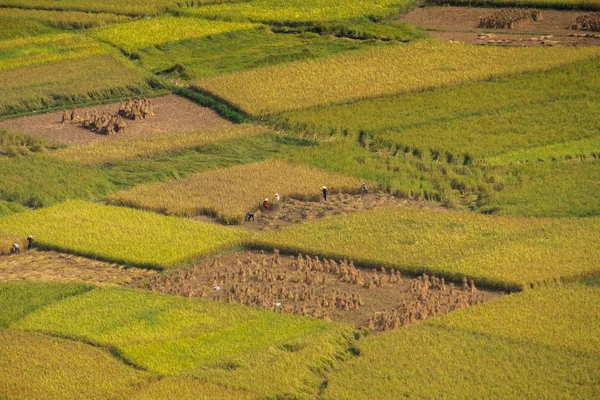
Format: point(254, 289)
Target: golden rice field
point(162, 30)
point(63, 19)
point(119, 234)
point(384, 71)
point(294, 11)
point(36, 366)
point(229, 193)
point(28, 51)
point(269, 354)
point(110, 152)
point(537, 344)
point(505, 252)
point(190, 389)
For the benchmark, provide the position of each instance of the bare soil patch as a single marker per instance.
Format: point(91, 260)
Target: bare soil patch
point(50, 266)
point(173, 114)
point(460, 24)
point(333, 290)
point(292, 211)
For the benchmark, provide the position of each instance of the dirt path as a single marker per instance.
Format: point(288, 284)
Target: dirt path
point(50, 266)
point(172, 114)
point(460, 24)
point(337, 291)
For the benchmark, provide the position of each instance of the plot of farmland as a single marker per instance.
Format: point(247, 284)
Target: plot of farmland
point(568, 4)
point(119, 234)
point(35, 366)
point(380, 72)
point(239, 190)
point(259, 351)
point(509, 253)
point(172, 114)
point(294, 11)
point(163, 30)
point(500, 348)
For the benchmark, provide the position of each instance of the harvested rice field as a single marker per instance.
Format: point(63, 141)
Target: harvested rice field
point(172, 114)
point(333, 290)
point(461, 24)
point(50, 266)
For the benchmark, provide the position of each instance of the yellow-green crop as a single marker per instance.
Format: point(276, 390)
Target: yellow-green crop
point(539, 344)
point(383, 71)
point(504, 252)
point(120, 234)
point(35, 366)
point(230, 193)
point(191, 389)
point(273, 355)
point(153, 32)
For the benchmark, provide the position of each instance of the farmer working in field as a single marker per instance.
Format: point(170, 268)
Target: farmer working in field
point(363, 189)
point(266, 205)
point(249, 216)
point(29, 242)
point(15, 249)
point(277, 197)
point(324, 189)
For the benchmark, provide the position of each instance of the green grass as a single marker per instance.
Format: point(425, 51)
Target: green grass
point(551, 189)
point(241, 50)
point(159, 31)
point(14, 28)
point(505, 115)
point(17, 299)
point(16, 144)
point(35, 366)
point(581, 149)
point(558, 4)
point(539, 344)
point(119, 234)
point(299, 11)
point(502, 252)
point(226, 344)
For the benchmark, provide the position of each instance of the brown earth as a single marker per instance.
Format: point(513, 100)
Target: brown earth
point(291, 211)
point(459, 24)
point(378, 299)
point(50, 266)
point(172, 114)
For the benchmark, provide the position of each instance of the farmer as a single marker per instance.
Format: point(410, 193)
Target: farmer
point(363, 189)
point(15, 249)
point(266, 205)
point(249, 216)
point(324, 189)
point(29, 242)
point(277, 196)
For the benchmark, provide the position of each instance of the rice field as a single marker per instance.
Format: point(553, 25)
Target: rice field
point(111, 152)
point(385, 71)
point(159, 31)
point(120, 235)
point(558, 4)
point(503, 252)
point(268, 354)
point(190, 389)
point(61, 19)
point(298, 11)
point(239, 190)
point(536, 344)
point(35, 366)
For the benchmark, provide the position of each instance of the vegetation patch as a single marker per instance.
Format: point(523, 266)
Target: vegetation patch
point(59, 19)
point(119, 234)
point(35, 366)
point(191, 389)
point(499, 348)
point(240, 189)
point(175, 336)
point(502, 252)
point(384, 71)
point(17, 299)
point(17, 144)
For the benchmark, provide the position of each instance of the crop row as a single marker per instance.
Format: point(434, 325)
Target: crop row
point(380, 72)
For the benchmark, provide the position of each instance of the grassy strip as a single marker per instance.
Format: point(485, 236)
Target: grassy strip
point(517, 346)
point(120, 235)
point(240, 189)
point(18, 299)
point(16, 144)
point(270, 354)
point(499, 252)
point(380, 72)
point(557, 4)
point(225, 110)
point(36, 366)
